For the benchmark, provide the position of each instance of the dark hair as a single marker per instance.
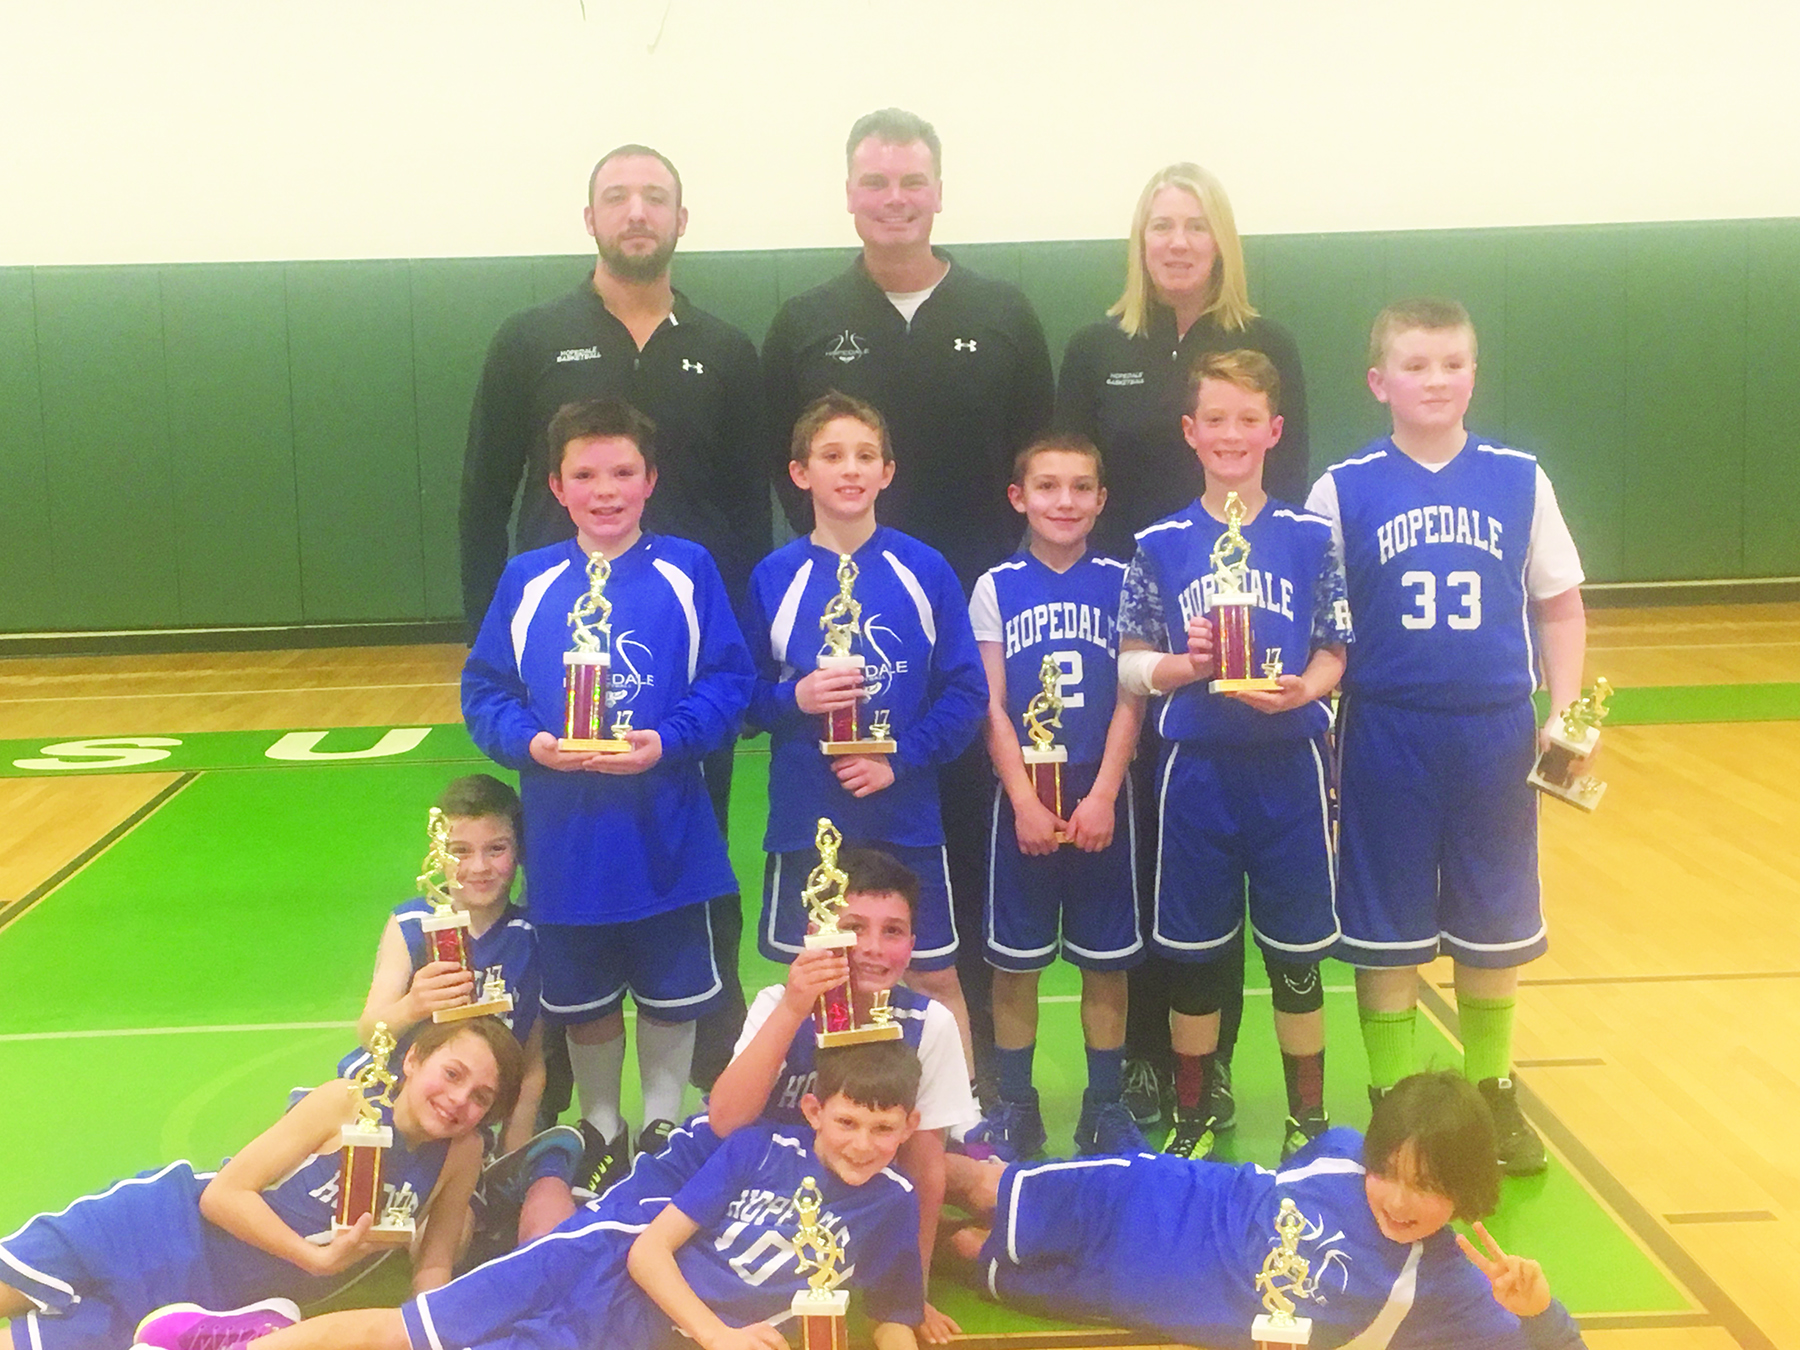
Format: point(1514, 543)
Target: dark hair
point(1246, 367)
point(1060, 442)
point(635, 149)
point(1454, 1152)
point(878, 1074)
point(509, 1058)
point(894, 126)
point(601, 417)
point(1426, 312)
point(482, 794)
point(873, 872)
point(827, 408)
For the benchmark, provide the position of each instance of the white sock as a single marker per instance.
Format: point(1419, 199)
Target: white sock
point(665, 1058)
point(597, 1070)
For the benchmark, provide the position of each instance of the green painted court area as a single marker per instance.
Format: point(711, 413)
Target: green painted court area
point(163, 999)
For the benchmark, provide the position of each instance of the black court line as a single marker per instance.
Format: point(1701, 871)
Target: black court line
point(1720, 1309)
point(15, 908)
point(1722, 1216)
point(1644, 1321)
point(1700, 978)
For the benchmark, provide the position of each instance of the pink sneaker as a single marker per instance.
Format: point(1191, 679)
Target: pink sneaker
point(188, 1326)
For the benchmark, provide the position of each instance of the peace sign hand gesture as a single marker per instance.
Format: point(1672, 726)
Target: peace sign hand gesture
point(1519, 1283)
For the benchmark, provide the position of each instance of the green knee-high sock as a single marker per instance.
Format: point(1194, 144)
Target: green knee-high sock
point(1388, 1037)
point(1487, 1025)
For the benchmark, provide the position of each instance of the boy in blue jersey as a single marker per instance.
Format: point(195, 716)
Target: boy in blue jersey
point(1055, 601)
point(711, 1257)
point(1455, 552)
point(1242, 785)
point(1174, 1246)
point(920, 667)
point(624, 846)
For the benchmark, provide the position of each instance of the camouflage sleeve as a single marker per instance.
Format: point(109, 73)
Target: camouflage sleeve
point(1141, 605)
point(1331, 603)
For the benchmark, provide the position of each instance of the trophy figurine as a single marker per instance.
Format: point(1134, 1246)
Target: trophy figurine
point(1234, 649)
point(1043, 760)
point(834, 1019)
point(821, 1306)
point(1573, 737)
point(1283, 1278)
point(365, 1141)
point(446, 928)
point(842, 622)
point(586, 667)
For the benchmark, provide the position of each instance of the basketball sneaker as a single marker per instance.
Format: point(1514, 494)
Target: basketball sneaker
point(1194, 1135)
point(188, 1326)
point(1301, 1132)
point(1143, 1095)
point(1107, 1128)
point(1521, 1151)
point(1012, 1131)
point(604, 1162)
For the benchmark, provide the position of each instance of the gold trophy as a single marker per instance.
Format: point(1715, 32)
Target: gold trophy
point(821, 1306)
point(365, 1141)
point(834, 1019)
point(842, 622)
point(1043, 760)
point(586, 667)
point(446, 928)
point(1283, 1278)
point(1234, 649)
point(1573, 737)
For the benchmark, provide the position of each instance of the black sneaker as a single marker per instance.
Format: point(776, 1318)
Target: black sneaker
point(1143, 1091)
point(1193, 1136)
point(1521, 1151)
point(604, 1162)
point(1299, 1133)
point(655, 1137)
point(1218, 1101)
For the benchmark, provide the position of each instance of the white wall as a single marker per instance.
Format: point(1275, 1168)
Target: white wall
point(186, 130)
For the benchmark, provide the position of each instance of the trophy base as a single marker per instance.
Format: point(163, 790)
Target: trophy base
point(490, 1008)
point(858, 1036)
point(821, 1315)
point(858, 747)
point(383, 1235)
point(585, 747)
point(1584, 793)
point(1554, 772)
point(836, 938)
point(1260, 685)
point(1266, 1331)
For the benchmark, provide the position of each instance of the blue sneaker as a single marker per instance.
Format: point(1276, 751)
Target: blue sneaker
point(1108, 1128)
point(1012, 1131)
point(555, 1152)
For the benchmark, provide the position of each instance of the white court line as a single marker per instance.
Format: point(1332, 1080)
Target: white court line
point(1688, 646)
point(101, 1033)
point(1248, 993)
point(232, 693)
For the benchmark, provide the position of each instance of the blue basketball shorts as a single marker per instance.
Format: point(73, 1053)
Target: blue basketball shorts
point(1228, 814)
point(782, 928)
point(1438, 835)
point(1083, 904)
point(665, 961)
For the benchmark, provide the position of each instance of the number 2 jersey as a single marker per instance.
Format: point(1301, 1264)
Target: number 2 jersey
point(1442, 564)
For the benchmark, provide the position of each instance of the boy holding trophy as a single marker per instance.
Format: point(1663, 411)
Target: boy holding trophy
point(1062, 872)
point(1242, 784)
point(867, 681)
point(625, 850)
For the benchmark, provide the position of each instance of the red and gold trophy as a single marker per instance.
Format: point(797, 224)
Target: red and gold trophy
point(842, 622)
point(446, 928)
point(1043, 760)
point(834, 1019)
point(1283, 1278)
point(585, 670)
point(365, 1141)
point(820, 1308)
point(1234, 644)
point(1573, 737)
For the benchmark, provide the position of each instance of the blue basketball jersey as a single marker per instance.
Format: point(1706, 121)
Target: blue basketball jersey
point(1296, 583)
point(799, 1070)
point(1161, 1242)
point(508, 948)
point(1071, 616)
point(1436, 569)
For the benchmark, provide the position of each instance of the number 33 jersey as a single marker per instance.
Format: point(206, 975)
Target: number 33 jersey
point(1442, 563)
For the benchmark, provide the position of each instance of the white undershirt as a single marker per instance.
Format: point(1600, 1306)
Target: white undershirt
point(908, 302)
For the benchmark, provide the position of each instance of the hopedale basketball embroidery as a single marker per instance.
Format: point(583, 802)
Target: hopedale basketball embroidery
point(846, 348)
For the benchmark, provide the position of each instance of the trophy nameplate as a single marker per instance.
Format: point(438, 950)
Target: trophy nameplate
point(1284, 1277)
point(364, 1143)
point(587, 669)
point(822, 1306)
point(842, 622)
point(1044, 759)
point(1573, 737)
point(1234, 640)
point(834, 1016)
point(446, 928)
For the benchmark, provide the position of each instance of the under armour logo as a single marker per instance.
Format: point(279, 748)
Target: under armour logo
point(694, 366)
point(964, 344)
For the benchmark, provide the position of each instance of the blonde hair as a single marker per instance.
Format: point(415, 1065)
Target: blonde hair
point(1426, 312)
point(1248, 370)
point(1229, 302)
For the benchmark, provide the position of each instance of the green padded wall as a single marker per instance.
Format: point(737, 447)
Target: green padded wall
point(281, 442)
